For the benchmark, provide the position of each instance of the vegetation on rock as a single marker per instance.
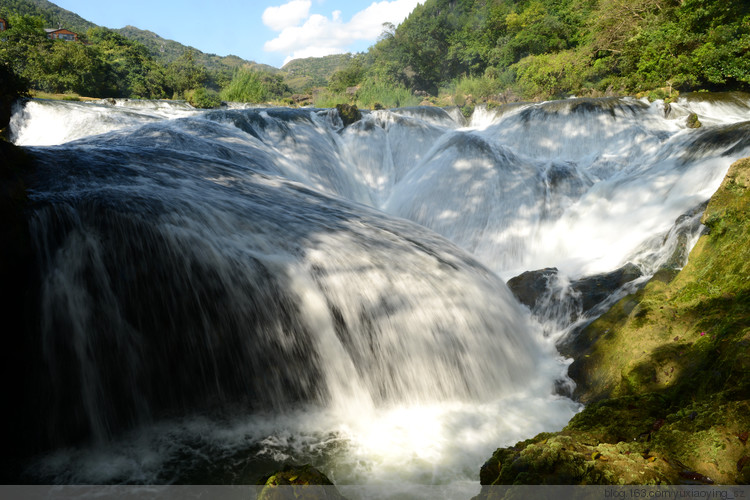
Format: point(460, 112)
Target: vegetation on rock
point(298, 481)
point(667, 377)
point(348, 113)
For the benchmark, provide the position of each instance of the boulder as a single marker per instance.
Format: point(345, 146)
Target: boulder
point(298, 481)
point(348, 113)
point(530, 285)
point(536, 289)
point(693, 121)
point(592, 290)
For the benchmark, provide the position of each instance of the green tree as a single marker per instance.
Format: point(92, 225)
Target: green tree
point(185, 74)
point(133, 72)
point(24, 37)
point(69, 67)
point(351, 75)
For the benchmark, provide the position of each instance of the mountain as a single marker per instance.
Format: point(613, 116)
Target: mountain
point(166, 51)
point(163, 50)
point(51, 13)
point(313, 71)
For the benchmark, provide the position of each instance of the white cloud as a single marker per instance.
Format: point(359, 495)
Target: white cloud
point(320, 35)
point(287, 15)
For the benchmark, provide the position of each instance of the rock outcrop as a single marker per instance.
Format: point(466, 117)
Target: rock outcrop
point(348, 113)
point(666, 377)
point(298, 481)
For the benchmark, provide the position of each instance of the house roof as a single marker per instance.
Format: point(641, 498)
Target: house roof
point(55, 30)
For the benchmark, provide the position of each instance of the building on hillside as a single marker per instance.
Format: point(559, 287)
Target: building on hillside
point(3, 24)
point(61, 34)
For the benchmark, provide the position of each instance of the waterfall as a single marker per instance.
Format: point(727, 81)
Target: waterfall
point(270, 284)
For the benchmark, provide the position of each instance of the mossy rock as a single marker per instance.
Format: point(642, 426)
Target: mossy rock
point(685, 335)
point(634, 440)
point(348, 113)
point(665, 373)
point(298, 481)
point(693, 121)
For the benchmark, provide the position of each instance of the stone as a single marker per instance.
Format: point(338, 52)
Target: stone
point(693, 121)
point(348, 113)
point(298, 481)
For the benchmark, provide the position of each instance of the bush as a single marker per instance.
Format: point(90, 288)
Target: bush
point(387, 95)
point(553, 75)
point(246, 86)
point(328, 99)
point(203, 98)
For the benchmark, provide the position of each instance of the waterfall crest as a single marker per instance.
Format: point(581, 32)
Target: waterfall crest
point(246, 262)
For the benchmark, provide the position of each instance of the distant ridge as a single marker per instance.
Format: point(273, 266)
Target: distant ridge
point(314, 71)
point(166, 51)
point(163, 50)
point(51, 13)
point(299, 74)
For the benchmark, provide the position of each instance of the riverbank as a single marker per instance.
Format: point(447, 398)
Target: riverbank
point(666, 374)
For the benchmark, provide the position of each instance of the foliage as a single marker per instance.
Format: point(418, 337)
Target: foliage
point(303, 74)
point(51, 14)
point(374, 92)
point(185, 74)
point(482, 88)
point(552, 75)
point(253, 86)
point(246, 86)
point(107, 66)
point(328, 99)
point(203, 98)
point(485, 49)
point(350, 75)
point(550, 48)
point(667, 378)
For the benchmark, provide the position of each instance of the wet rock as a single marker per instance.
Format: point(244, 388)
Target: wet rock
point(594, 289)
point(530, 285)
point(693, 121)
point(532, 288)
point(348, 113)
point(664, 373)
point(19, 287)
point(298, 481)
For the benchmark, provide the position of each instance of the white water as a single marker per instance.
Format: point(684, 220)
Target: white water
point(347, 337)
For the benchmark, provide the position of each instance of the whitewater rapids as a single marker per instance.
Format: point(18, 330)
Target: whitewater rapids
point(225, 291)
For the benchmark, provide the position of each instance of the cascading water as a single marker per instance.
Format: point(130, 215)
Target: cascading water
point(228, 290)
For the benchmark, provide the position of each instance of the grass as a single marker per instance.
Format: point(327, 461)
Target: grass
point(71, 96)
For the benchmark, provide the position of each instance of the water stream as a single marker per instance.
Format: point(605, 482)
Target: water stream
point(226, 291)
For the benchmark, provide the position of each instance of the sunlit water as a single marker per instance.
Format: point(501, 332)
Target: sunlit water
point(230, 290)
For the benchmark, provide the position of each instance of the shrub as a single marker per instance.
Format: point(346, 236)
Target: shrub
point(203, 98)
point(386, 95)
point(246, 86)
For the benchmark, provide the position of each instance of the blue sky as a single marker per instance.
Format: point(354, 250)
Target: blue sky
point(267, 31)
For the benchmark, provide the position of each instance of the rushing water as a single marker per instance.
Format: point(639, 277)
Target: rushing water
point(225, 291)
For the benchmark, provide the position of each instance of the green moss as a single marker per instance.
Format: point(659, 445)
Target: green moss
point(298, 481)
point(666, 373)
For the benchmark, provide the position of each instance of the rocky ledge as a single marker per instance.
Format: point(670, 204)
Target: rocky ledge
point(666, 376)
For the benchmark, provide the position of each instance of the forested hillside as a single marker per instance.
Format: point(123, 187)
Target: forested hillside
point(119, 63)
point(446, 52)
point(309, 72)
point(552, 48)
point(52, 15)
